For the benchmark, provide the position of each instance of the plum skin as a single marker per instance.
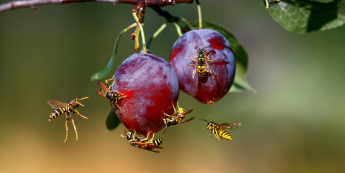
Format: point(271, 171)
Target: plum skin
point(151, 86)
point(205, 90)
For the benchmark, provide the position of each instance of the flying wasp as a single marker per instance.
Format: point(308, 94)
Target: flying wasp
point(143, 143)
point(177, 117)
point(218, 130)
point(108, 93)
point(201, 63)
point(68, 109)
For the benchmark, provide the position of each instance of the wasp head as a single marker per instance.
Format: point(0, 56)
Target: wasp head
point(77, 101)
point(129, 135)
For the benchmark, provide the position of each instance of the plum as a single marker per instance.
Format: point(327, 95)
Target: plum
point(210, 88)
point(151, 86)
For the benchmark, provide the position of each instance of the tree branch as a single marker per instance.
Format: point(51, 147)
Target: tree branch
point(33, 3)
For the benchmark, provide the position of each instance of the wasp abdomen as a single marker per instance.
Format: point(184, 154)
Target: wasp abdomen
point(157, 141)
point(224, 134)
point(56, 113)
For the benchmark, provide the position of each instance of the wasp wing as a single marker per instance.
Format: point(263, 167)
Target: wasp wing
point(188, 112)
point(210, 68)
point(190, 119)
point(194, 70)
point(103, 87)
point(56, 104)
point(99, 92)
point(230, 126)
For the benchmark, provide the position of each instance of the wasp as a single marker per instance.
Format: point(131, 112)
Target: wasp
point(177, 117)
point(201, 63)
point(68, 109)
point(218, 130)
point(143, 143)
point(108, 93)
point(270, 3)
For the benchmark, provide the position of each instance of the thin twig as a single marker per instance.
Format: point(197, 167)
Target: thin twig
point(32, 3)
point(141, 29)
point(178, 29)
point(156, 34)
point(199, 13)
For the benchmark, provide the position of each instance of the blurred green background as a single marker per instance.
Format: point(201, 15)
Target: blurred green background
point(295, 123)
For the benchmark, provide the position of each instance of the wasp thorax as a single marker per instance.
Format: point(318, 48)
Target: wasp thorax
point(109, 95)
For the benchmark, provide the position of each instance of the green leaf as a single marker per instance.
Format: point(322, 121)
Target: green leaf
point(112, 120)
point(241, 56)
point(303, 16)
point(101, 74)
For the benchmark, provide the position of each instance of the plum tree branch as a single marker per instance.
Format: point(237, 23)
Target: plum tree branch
point(33, 3)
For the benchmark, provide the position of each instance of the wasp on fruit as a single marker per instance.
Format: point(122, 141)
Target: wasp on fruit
point(177, 117)
point(68, 109)
point(143, 143)
point(202, 63)
point(218, 130)
point(108, 93)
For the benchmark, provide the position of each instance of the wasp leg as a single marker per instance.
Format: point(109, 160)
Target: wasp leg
point(147, 137)
point(80, 114)
point(122, 95)
point(67, 118)
point(134, 135)
point(196, 56)
point(112, 106)
point(153, 135)
point(192, 58)
point(115, 105)
point(191, 64)
point(212, 76)
point(166, 115)
point(75, 129)
point(106, 81)
point(212, 60)
point(216, 134)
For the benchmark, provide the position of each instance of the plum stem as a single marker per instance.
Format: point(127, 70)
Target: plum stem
point(141, 29)
point(156, 34)
point(199, 13)
point(178, 29)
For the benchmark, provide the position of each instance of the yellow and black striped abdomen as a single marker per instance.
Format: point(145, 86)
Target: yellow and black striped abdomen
point(224, 134)
point(201, 70)
point(56, 113)
point(157, 141)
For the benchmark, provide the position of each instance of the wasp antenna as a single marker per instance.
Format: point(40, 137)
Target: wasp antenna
point(165, 129)
point(204, 120)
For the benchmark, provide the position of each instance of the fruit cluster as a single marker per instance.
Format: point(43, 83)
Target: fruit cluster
point(145, 88)
point(151, 84)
